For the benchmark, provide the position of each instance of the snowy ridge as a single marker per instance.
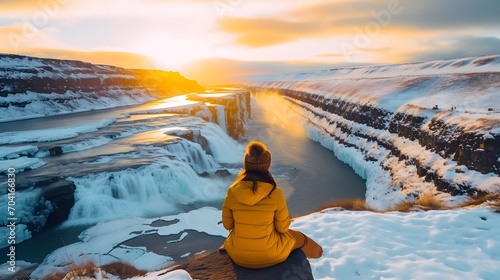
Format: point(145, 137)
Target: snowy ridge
point(15, 152)
point(403, 87)
point(408, 129)
point(35, 87)
point(439, 67)
point(47, 135)
point(35, 105)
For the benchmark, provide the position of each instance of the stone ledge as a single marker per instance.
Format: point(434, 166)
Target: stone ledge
point(218, 266)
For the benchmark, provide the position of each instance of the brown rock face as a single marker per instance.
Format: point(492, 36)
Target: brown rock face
point(219, 266)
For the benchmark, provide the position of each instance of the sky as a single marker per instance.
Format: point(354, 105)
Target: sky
point(217, 41)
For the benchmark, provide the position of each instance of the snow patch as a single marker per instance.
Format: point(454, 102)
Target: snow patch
point(101, 243)
point(53, 134)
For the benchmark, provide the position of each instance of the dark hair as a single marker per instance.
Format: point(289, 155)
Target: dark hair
point(254, 176)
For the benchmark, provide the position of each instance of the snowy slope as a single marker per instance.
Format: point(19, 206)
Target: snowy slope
point(408, 129)
point(454, 244)
point(35, 87)
point(416, 87)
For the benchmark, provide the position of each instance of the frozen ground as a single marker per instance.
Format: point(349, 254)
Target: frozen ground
point(452, 244)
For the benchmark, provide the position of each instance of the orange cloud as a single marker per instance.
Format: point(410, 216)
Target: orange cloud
point(14, 35)
point(15, 28)
point(120, 59)
point(324, 20)
point(18, 4)
point(261, 32)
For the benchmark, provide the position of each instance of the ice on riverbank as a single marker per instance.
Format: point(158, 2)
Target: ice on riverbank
point(104, 243)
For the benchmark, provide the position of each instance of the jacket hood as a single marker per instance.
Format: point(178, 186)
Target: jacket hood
point(243, 193)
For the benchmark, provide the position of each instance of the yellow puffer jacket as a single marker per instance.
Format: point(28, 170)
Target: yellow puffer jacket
point(258, 223)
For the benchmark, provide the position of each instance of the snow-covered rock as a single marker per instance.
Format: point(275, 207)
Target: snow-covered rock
point(407, 129)
point(35, 87)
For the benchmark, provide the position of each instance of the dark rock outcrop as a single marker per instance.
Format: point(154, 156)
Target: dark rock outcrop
point(61, 194)
point(51, 206)
point(218, 266)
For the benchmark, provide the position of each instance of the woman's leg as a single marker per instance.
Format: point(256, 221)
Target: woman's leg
point(312, 249)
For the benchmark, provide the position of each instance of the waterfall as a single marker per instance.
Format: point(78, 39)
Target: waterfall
point(221, 117)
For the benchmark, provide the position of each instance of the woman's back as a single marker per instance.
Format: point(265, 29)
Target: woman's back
point(256, 215)
point(259, 222)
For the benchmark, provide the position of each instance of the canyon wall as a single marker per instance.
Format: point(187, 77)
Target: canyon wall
point(35, 87)
point(426, 127)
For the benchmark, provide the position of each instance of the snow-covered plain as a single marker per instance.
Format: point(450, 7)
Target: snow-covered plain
point(451, 244)
point(421, 85)
point(46, 135)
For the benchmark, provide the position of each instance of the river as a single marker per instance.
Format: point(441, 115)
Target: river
point(309, 174)
point(313, 175)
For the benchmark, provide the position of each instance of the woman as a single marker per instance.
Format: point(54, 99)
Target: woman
point(256, 215)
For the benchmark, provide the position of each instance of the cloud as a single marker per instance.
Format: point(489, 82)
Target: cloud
point(467, 46)
point(312, 21)
point(450, 14)
point(263, 32)
point(19, 4)
point(120, 59)
point(33, 9)
point(329, 55)
point(24, 35)
point(422, 14)
point(423, 18)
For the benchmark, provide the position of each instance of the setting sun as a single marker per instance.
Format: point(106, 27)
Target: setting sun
point(171, 53)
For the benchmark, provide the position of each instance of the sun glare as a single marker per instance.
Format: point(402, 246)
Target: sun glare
point(172, 53)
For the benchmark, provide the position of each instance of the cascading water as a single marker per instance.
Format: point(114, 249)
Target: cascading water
point(221, 117)
point(158, 188)
point(149, 190)
point(224, 148)
point(192, 154)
